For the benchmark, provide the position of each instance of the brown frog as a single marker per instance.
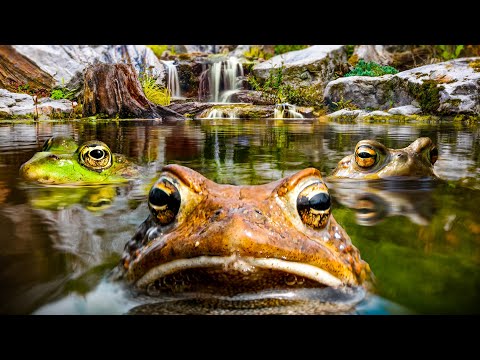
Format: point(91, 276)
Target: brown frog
point(373, 160)
point(223, 240)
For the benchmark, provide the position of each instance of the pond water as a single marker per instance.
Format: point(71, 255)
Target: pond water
point(421, 238)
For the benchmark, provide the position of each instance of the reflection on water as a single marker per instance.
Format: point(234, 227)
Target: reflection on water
point(420, 239)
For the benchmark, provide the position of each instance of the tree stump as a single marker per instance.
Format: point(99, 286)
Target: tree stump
point(114, 91)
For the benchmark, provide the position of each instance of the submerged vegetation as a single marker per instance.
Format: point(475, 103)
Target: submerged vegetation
point(370, 69)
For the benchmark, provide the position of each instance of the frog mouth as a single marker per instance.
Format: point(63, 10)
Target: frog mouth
point(234, 274)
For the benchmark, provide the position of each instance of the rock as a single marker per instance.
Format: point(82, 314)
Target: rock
point(190, 109)
point(113, 90)
point(309, 69)
point(405, 110)
point(237, 111)
point(66, 63)
point(447, 88)
point(13, 105)
point(401, 57)
point(17, 71)
point(345, 114)
point(367, 92)
point(251, 97)
point(451, 87)
point(18, 104)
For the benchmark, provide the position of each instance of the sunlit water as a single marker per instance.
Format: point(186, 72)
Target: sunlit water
point(421, 238)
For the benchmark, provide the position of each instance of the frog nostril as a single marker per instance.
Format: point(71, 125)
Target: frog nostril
point(53, 157)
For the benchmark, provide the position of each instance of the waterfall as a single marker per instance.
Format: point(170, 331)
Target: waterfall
point(286, 111)
point(173, 84)
point(221, 114)
point(222, 77)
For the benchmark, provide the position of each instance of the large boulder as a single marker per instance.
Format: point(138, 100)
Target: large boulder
point(66, 63)
point(308, 69)
point(451, 87)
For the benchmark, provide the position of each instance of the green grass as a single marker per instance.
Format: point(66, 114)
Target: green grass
point(155, 92)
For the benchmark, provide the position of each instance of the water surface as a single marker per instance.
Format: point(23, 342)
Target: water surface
point(421, 238)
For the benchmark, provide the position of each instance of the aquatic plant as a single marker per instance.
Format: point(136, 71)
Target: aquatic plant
point(154, 91)
point(370, 68)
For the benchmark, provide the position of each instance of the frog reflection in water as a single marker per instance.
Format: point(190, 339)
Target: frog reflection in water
point(61, 162)
point(224, 240)
point(373, 160)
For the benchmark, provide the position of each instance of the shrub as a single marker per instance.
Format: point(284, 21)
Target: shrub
point(370, 69)
point(153, 91)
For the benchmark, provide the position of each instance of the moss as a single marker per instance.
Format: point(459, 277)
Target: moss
point(454, 102)
point(427, 94)
point(475, 65)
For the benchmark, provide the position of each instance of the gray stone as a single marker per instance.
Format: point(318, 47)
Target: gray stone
point(368, 92)
point(405, 110)
point(457, 82)
point(309, 69)
point(345, 114)
point(17, 105)
point(66, 63)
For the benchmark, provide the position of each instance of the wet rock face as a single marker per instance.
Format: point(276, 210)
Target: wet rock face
point(311, 68)
point(448, 88)
point(66, 63)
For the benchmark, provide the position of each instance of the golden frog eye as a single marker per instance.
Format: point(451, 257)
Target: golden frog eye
point(164, 201)
point(313, 205)
point(433, 154)
point(95, 155)
point(365, 156)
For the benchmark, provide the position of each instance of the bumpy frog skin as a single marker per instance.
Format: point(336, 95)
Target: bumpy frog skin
point(214, 238)
point(373, 160)
point(60, 144)
point(91, 163)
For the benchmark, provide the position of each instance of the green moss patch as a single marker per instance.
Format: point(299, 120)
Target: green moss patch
point(427, 94)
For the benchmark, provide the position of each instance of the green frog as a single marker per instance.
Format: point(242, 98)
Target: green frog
point(373, 160)
point(62, 163)
point(224, 240)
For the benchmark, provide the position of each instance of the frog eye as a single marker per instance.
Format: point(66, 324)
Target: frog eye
point(95, 156)
point(365, 156)
point(164, 201)
point(433, 154)
point(47, 144)
point(313, 205)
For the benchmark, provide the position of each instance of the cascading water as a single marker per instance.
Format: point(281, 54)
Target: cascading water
point(221, 114)
point(173, 84)
point(222, 78)
point(286, 111)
